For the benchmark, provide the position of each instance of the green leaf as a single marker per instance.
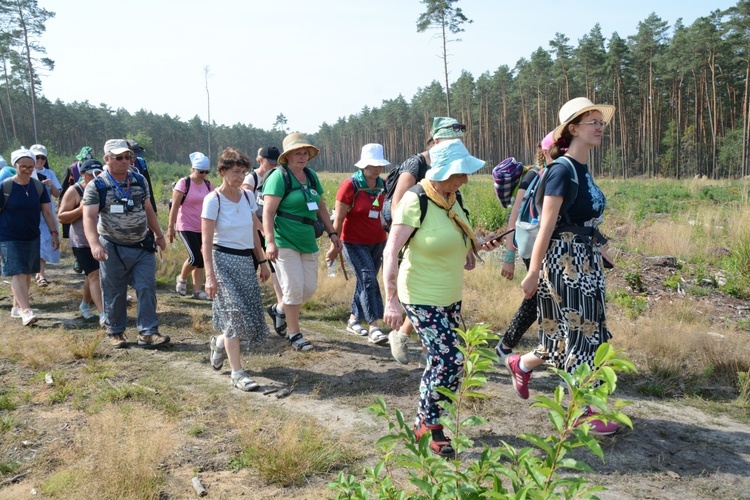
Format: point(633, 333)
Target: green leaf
point(571, 463)
point(603, 354)
point(537, 441)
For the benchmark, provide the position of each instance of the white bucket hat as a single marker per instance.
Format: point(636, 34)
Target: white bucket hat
point(578, 106)
point(199, 161)
point(449, 158)
point(372, 154)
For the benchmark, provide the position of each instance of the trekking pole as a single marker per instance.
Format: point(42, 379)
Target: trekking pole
point(343, 267)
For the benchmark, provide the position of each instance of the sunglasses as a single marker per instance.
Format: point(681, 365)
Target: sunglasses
point(122, 157)
point(204, 172)
point(457, 127)
point(41, 157)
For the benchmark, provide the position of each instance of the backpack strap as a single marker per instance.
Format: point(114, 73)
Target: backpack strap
point(423, 199)
point(570, 196)
point(7, 188)
point(102, 187)
point(187, 189)
point(218, 200)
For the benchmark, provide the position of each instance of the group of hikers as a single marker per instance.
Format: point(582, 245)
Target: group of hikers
point(413, 224)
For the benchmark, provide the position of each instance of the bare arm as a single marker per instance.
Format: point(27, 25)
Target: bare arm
point(270, 206)
point(396, 240)
point(265, 270)
point(339, 214)
point(177, 197)
point(208, 227)
point(90, 215)
point(70, 207)
point(550, 211)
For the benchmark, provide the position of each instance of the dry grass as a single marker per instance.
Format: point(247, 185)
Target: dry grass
point(84, 346)
point(38, 351)
point(119, 456)
point(291, 449)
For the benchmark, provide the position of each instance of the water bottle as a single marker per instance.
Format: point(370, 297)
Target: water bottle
point(332, 269)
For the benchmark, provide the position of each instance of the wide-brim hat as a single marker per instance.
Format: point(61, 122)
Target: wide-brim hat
point(451, 158)
point(372, 154)
point(443, 128)
point(296, 141)
point(578, 106)
point(86, 153)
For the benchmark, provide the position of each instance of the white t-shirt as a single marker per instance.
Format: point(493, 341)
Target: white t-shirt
point(234, 221)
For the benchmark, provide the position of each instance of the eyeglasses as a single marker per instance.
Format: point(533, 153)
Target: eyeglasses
point(41, 157)
point(457, 127)
point(598, 125)
point(204, 172)
point(121, 157)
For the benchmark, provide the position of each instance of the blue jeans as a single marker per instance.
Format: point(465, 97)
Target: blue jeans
point(366, 260)
point(128, 266)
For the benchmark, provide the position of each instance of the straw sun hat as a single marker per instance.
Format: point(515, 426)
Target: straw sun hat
point(578, 106)
point(296, 141)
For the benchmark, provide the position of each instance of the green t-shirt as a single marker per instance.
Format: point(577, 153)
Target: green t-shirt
point(290, 233)
point(432, 270)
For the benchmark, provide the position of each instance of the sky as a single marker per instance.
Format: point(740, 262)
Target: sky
point(313, 61)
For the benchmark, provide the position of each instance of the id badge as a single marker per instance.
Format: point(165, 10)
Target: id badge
point(312, 205)
point(117, 209)
point(374, 214)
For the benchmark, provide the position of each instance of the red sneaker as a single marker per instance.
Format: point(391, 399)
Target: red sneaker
point(520, 378)
point(598, 427)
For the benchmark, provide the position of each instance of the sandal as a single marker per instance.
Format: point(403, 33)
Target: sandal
point(216, 356)
point(376, 336)
point(42, 282)
point(299, 342)
point(244, 383)
point(277, 318)
point(441, 446)
point(353, 327)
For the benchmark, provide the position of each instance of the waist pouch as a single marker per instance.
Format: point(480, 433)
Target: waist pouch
point(317, 224)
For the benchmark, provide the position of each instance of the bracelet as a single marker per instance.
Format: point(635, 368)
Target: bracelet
point(332, 234)
point(160, 237)
point(262, 261)
point(53, 232)
point(509, 257)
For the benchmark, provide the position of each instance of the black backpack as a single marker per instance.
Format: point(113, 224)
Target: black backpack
point(390, 187)
point(423, 200)
point(316, 223)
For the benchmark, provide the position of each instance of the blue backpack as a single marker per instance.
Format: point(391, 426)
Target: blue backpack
point(102, 187)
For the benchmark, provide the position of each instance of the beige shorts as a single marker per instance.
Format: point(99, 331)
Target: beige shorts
point(297, 274)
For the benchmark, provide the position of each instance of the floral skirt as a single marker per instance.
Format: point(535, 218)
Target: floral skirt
point(572, 313)
point(238, 307)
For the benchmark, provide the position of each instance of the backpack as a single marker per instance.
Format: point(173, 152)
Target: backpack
point(527, 224)
point(316, 223)
point(102, 187)
point(259, 193)
point(187, 189)
point(423, 199)
point(8, 187)
point(390, 187)
point(507, 175)
point(218, 201)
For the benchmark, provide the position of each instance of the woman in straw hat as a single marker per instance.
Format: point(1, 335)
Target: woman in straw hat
point(445, 241)
point(566, 262)
point(359, 201)
point(292, 200)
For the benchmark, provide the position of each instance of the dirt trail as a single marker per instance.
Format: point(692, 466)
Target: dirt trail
point(673, 452)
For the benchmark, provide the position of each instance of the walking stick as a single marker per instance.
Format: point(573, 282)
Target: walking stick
point(343, 267)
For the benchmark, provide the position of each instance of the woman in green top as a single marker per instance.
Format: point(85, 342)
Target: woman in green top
point(440, 239)
point(292, 200)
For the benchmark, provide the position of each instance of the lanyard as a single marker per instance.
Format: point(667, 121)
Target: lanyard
point(123, 194)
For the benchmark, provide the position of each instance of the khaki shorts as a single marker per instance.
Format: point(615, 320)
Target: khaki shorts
point(298, 275)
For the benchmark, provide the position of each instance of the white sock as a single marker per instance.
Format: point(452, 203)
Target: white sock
point(84, 305)
point(234, 374)
point(522, 366)
point(220, 342)
point(279, 310)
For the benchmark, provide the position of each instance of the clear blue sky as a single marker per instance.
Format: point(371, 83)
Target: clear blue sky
point(314, 61)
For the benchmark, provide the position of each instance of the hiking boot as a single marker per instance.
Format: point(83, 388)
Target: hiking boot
point(243, 382)
point(118, 340)
point(598, 427)
point(181, 287)
point(86, 311)
point(152, 340)
point(28, 317)
point(399, 346)
point(15, 312)
point(201, 295)
point(216, 356)
point(519, 377)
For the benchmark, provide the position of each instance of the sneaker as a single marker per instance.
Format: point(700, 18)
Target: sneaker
point(598, 427)
point(86, 311)
point(152, 340)
point(376, 336)
point(520, 378)
point(217, 356)
point(399, 346)
point(28, 318)
point(501, 353)
point(279, 320)
point(15, 312)
point(118, 340)
point(181, 286)
point(201, 295)
point(244, 383)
